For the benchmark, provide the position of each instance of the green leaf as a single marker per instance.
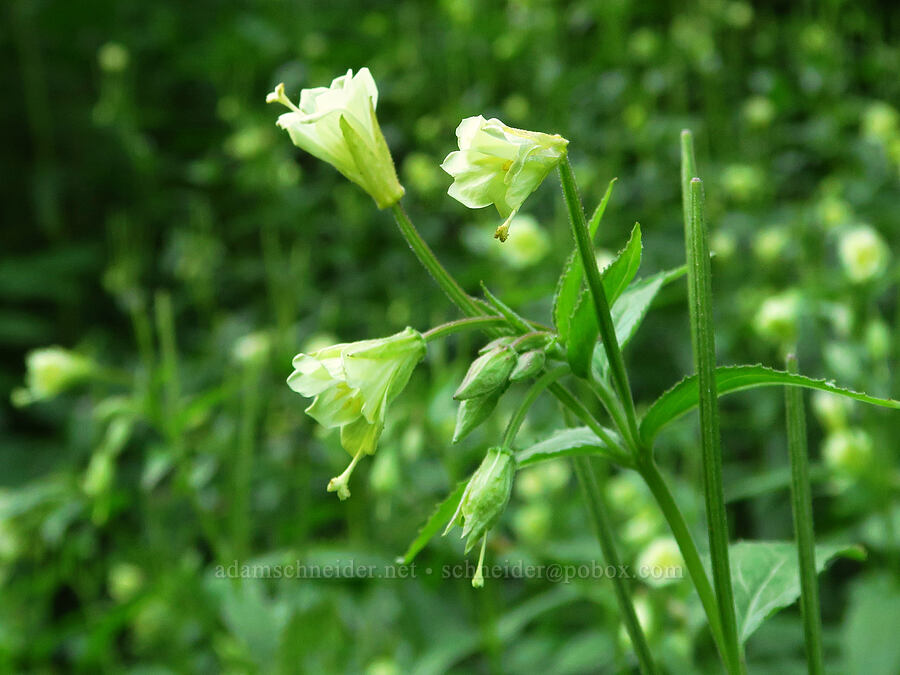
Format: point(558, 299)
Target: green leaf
point(870, 629)
point(565, 443)
point(583, 327)
point(435, 523)
point(621, 271)
point(683, 396)
point(766, 577)
point(632, 306)
point(583, 335)
point(569, 286)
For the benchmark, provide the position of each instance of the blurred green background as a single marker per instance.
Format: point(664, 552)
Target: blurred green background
point(158, 223)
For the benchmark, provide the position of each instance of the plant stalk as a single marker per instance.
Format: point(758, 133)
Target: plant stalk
point(801, 505)
point(703, 341)
point(585, 248)
point(460, 325)
point(682, 534)
point(599, 514)
point(425, 255)
point(515, 422)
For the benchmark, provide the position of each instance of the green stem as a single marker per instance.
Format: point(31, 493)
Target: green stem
point(425, 255)
point(660, 490)
point(599, 514)
point(608, 398)
point(566, 397)
point(703, 341)
point(515, 422)
point(595, 284)
point(801, 503)
point(472, 309)
point(460, 325)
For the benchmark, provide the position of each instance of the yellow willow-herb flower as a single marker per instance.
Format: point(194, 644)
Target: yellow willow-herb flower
point(49, 372)
point(500, 165)
point(338, 125)
point(352, 384)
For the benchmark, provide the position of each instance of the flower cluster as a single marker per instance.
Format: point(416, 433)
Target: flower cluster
point(352, 384)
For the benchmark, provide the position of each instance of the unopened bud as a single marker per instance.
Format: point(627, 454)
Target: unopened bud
point(486, 496)
point(488, 373)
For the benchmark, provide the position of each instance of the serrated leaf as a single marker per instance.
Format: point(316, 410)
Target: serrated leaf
point(683, 396)
point(622, 270)
point(435, 523)
point(583, 326)
point(583, 335)
point(565, 443)
point(569, 285)
point(766, 577)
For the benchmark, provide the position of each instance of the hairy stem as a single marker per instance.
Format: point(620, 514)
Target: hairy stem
point(425, 255)
point(801, 503)
point(599, 515)
point(601, 306)
point(460, 325)
point(515, 422)
point(682, 534)
point(703, 341)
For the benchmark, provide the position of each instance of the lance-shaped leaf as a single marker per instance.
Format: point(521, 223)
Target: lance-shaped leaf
point(569, 442)
point(441, 515)
point(569, 286)
point(683, 396)
point(583, 327)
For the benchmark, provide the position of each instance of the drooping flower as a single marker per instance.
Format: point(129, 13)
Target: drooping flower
point(484, 500)
point(500, 165)
point(338, 125)
point(352, 385)
point(49, 372)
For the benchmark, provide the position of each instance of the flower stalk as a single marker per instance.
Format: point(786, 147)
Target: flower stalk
point(801, 506)
point(703, 341)
point(601, 305)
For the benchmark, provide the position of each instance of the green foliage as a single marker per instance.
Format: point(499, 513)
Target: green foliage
point(683, 396)
point(159, 225)
point(767, 578)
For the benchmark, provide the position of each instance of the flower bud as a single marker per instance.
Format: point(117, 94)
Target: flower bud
point(487, 373)
point(473, 411)
point(485, 496)
point(528, 365)
point(338, 125)
point(500, 165)
point(864, 255)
